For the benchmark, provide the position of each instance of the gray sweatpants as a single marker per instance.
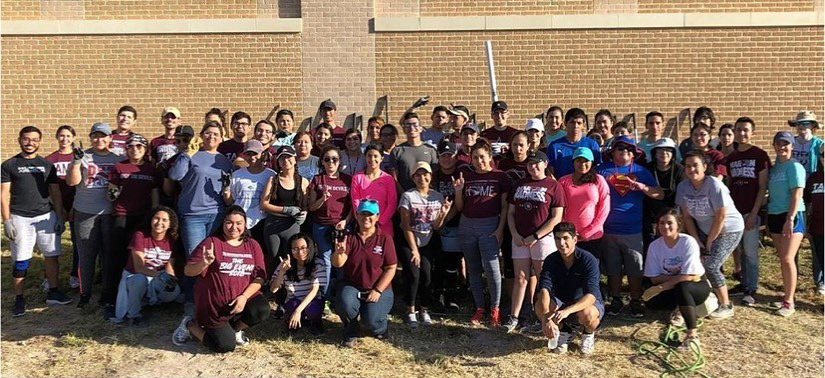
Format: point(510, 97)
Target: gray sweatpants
point(94, 234)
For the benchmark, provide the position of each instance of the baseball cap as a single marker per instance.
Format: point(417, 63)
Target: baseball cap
point(285, 150)
point(101, 127)
point(137, 138)
point(583, 152)
point(664, 143)
point(470, 126)
point(623, 139)
point(783, 136)
point(367, 205)
point(804, 116)
point(170, 109)
point(327, 104)
point(184, 130)
point(536, 156)
point(253, 145)
point(498, 105)
point(534, 124)
point(447, 147)
point(459, 112)
point(421, 165)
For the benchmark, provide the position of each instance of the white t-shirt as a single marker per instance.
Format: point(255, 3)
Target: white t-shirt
point(246, 189)
point(423, 212)
point(683, 258)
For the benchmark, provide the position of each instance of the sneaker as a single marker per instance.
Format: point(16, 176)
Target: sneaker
point(511, 324)
point(533, 329)
point(737, 290)
point(452, 306)
point(279, 312)
point(820, 289)
point(327, 309)
point(74, 282)
point(384, 335)
point(45, 285)
point(477, 317)
point(685, 345)
point(349, 342)
point(108, 312)
point(560, 343)
point(495, 317)
point(181, 334)
point(19, 307)
point(722, 312)
point(588, 343)
point(411, 320)
point(748, 299)
point(775, 305)
point(139, 322)
point(615, 306)
point(637, 309)
point(57, 297)
point(737, 276)
point(676, 318)
point(425, 318)
point(786, 310)
point(241, 340)
point(84, 301)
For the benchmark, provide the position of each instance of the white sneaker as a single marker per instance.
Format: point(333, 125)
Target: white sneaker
point(241, 340)
point(411, 321)
point(723, 312)
point(748, 300)
point(676, 318)
point(685, 345)
point(559, 343)
point(786, 310)
point(181, 334)
point(820, 289)
point(425, 318)
point(74, 282)
point(588, 343)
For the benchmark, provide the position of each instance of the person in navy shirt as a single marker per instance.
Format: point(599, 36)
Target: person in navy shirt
point(560, 151)
point(569, 285)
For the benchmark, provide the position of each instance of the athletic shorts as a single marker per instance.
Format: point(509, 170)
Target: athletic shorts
point(623, 251)
point(33, 231)
point(777, 221)
point(538, 252)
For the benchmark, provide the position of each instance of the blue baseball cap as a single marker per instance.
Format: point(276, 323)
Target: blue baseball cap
point(783, 136)
point(101, 127)
point(583, 152)
point(367, 205)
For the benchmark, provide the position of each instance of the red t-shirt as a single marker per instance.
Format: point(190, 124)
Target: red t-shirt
point(500, 139)
point(225, 279)
point(136, 183)
point(743, 168)
point(533, 200)
point(366, 259)
point(156, 253)
point(118, 143)
point(482, 193)
point(61, 166)
point(336, 208)
point(231, 148)
point(163, 148)
point(515, 170)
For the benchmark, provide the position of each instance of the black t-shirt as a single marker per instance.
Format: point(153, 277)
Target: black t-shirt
point(30, 179)
point(667, 180)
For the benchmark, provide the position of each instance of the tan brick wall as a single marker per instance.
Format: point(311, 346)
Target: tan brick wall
point(701, 6)
point(503, 8)
point(78, 80)
point(20, 9)
point(735, 71)
point(147, 9)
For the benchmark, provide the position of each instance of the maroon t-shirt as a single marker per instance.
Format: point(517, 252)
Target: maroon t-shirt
point(61, 166)
point(500, 139)
point(515, 170)
point(231, 148)
point(482, 193)
point(366, 259)
point(533, 200)
point(336, 208)
point(163, 148)
point(814, 194)
point(156, 253)
point(118, 143)
point(465, 161)
point(743, 168)
point(225, 279)
point(716, 159)
point(136, 183)
point(337, 139)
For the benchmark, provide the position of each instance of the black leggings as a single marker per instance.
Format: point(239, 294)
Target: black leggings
point(685, 295)
point(418, 278)
point(448, 265)
point(222, 339)
point(277, 231)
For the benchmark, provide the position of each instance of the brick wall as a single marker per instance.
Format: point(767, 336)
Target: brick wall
point(430, 8)
point(78, 80)
point(700, 6)
point(759, 72)
point(147, 9)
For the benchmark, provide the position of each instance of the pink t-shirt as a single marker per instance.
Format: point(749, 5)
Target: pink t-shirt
point(587, 206)
point(382, 190)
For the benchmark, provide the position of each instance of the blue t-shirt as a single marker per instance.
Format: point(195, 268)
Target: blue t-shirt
point(569, 285)
point(560, 154)
point(625, 216)
point(784, 177)
point(200, 181)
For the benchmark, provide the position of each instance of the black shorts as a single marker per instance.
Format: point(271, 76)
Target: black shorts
point(777, 221)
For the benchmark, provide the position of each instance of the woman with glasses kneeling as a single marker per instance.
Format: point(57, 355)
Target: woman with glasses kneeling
point(229, 267)
point(368, 261)
point(674, 267)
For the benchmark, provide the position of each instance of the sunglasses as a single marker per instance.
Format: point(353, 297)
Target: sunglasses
point(331, 160)
point(135, 146)
point(803, 123)
point(624, 148)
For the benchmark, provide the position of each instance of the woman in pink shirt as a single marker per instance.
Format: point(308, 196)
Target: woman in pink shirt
point(375, 184)
point(588, 201)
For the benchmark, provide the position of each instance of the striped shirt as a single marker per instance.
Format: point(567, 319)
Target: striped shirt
point(301, 288)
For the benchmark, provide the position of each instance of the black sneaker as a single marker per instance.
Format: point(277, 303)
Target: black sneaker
point(383, 336)
point(139, 322)
point(637, 309)
point(57, 297)
point(108, 312)
point(84, 301)
point(615, 306)
point(737, 290)
point(349, 342)
point(511, 324)
point(19, 307)
point(737, 276)
point(278, 313)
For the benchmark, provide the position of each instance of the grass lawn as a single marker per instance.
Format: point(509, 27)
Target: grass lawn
point(63, 341)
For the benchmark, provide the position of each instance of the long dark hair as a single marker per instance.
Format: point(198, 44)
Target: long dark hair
point(234, 209)
point(172, 232)
point(590, 176)
point(309, 265)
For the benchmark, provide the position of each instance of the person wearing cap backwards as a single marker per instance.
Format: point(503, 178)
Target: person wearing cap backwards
point(500, 134)
point(448, 263)
point(93, 221)
point(560, 151)
point(536, 206)
point(553, 124)
point(126, 120)
point(668, 174)
point(436, 132)
point(284, 200)
point(163, 147)
point(422, 211)
point(748, 170)
point(806, 144)
point(786, 213)
point(246, 188)
point(231, 148)
point(33, 214)
point(368, 260)
point(535, 134)
point(406, 156)
point(133, 190)
point(622, 242)
point(327, 110)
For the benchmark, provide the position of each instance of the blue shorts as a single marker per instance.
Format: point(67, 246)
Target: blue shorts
point(777, 221)
point(561, 304)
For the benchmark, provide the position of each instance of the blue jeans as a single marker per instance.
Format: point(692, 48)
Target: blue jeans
point(373, 315)
point(481, 252)
point(750, 257)
point(133, 288)
point(321, 235)
point(193, 229)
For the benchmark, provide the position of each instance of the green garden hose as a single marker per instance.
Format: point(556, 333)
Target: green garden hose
point(675, 363)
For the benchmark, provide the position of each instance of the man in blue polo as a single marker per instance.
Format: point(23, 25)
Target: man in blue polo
point(569, 285)
point(560, 151)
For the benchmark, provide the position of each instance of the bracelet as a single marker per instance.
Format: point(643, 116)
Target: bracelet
point(379, 291)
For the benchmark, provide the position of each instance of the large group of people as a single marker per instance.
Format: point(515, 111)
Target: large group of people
point(520, 222)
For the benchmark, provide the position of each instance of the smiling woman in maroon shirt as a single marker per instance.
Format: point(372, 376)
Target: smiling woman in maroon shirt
point(230, 269)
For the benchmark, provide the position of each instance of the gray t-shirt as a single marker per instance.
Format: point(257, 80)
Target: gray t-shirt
point(404, 157)
point(90, 196)
point(423, 211)
point(702, 204)
point(307, 168)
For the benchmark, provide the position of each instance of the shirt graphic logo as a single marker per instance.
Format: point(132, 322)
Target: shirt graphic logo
point(621, 183)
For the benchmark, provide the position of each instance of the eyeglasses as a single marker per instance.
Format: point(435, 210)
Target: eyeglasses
point(135, 146)
point(250, 153)
point(803, 123)
point(30, 140)
point(300, 249)
point(331, 160)
point(411, 125)
point(242, 123)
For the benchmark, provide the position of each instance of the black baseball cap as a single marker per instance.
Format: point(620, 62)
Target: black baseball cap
point(327, 104)
point(498, 105)
point(536, 156)
point(184, 130)
point(447, 147)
